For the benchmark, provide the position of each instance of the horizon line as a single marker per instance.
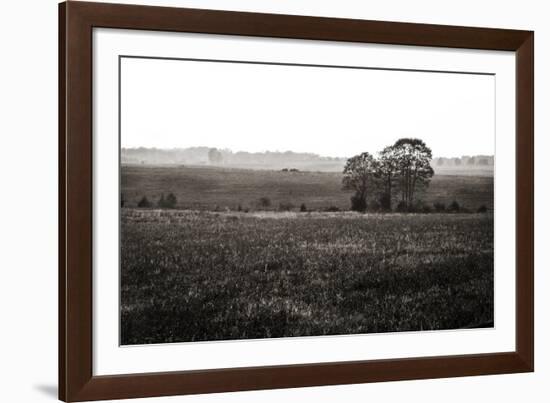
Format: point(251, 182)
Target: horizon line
point(283, 152)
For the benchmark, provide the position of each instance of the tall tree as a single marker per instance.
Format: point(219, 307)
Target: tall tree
point(359, 175)
point(413, 158)
point(386, 172)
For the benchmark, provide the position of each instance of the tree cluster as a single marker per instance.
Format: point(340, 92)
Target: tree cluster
point(169, 201)
point(398, 173)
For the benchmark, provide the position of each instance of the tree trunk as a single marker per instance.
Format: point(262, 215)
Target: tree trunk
point(413, 187)
point(389, 191)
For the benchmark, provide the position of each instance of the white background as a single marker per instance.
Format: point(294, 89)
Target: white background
point(109, 358)
point(168, 103)
point(28, 206)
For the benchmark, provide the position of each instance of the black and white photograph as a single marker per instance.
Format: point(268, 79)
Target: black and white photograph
point(268, 200)
point(305, 201)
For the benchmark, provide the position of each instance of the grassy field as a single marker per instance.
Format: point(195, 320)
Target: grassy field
point(205, 188)
point(198, 275)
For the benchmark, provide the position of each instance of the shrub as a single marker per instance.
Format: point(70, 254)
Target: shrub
point(374, 206)
point(286, 206)
point(420, 207)
point(284, 170)
point(402, 207)
point(303, 208)
point(385, 202)
point(454, 206)
point(264, 202)
point(439, 207)
point(294, 170)
point(482, 209)
point(358, 203)
point(239, 208)
point(332, 209)
point(169, 202)
point(144, 203)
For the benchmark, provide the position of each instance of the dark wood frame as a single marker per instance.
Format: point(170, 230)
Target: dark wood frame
point(76, 21)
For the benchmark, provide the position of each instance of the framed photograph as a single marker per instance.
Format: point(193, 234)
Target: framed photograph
point(253, 201)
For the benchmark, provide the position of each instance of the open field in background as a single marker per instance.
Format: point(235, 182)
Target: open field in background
point(196, 275)
point(209, 188)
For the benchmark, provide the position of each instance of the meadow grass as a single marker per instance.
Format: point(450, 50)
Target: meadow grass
point(196, 275)
point(210, 188)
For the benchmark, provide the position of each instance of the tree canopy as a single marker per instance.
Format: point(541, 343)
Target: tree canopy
point(404, 166)
point(413, 158)
point(387, 170)
point(359, 175)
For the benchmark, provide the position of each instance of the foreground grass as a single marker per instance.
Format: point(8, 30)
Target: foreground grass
point(189, 276)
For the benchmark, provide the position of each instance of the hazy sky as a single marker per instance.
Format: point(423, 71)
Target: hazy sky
point(327, 111)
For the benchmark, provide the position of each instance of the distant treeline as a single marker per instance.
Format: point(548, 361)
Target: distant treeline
point(477, 161)
point(206, 156)
point(224, 157)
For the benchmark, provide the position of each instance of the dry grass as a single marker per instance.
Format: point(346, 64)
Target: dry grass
point(192, 275)
point(203, 188)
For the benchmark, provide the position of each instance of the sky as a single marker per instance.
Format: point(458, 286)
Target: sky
point(333, 112)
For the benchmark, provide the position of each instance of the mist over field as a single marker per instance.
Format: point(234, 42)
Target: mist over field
point(277, 160)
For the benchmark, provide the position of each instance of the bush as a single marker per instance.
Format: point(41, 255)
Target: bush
point(294, 170)
point(285, 206)
point(303, 208)
point(332, 209)
point(482, 209)
point(420, 207)
point(169, 202)
point(385, 202)
point(454, 207)
point(358, 203)
point(144, 203)
point(439, 207)
point(374, 206)
point(426, 209)
point(402, 207)
point(264, 202)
